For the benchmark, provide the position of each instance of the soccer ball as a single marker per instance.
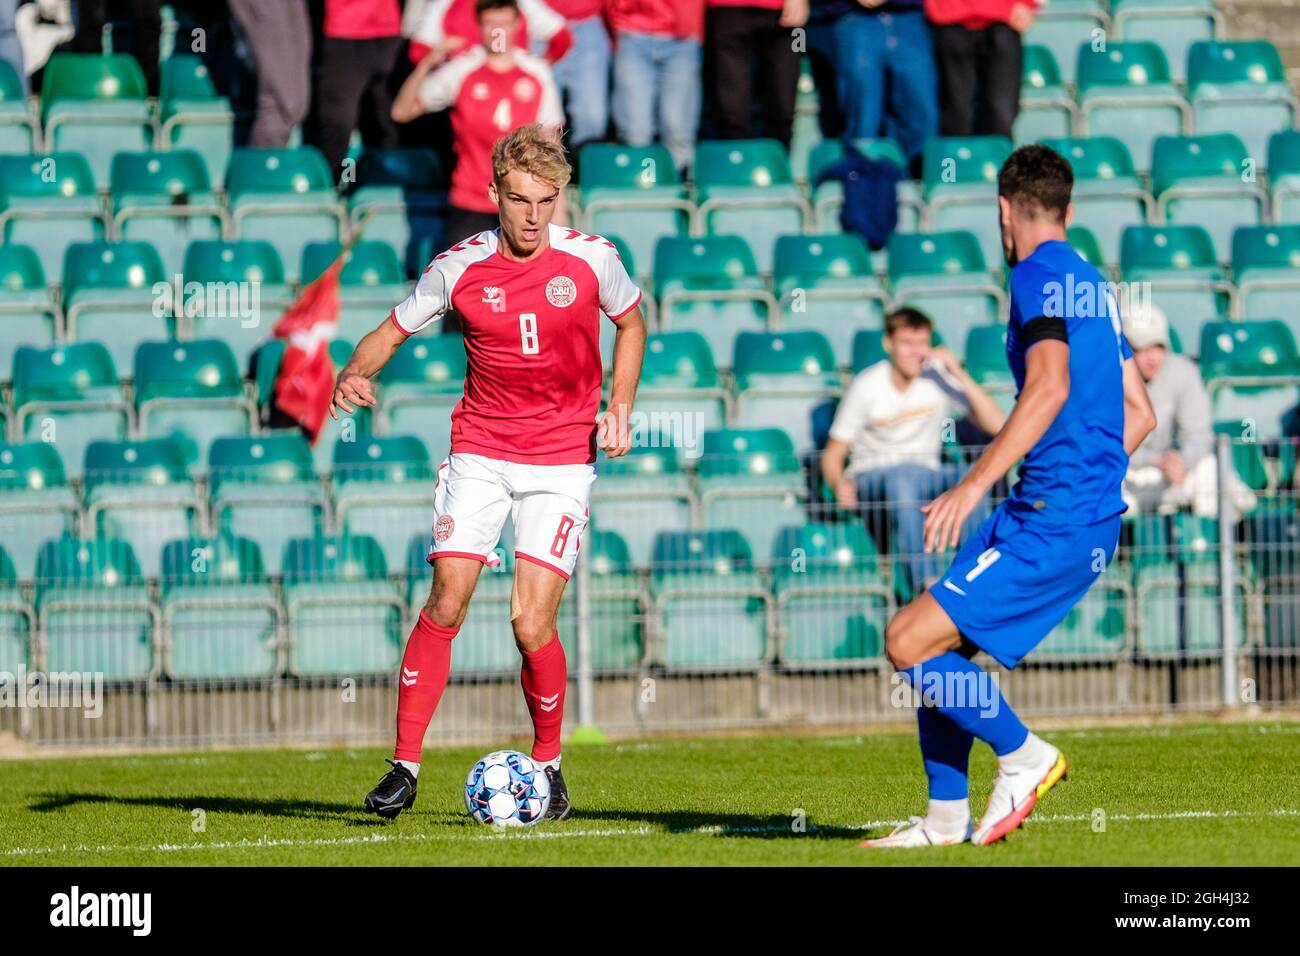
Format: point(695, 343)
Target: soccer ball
point(507, 789)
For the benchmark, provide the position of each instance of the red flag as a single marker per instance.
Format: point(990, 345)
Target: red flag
point(306, 377)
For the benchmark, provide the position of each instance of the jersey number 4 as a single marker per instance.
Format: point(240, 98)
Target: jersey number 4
point(528, 332)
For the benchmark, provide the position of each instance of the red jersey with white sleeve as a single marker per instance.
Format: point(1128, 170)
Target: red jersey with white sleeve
point(486, 104)
point(456, 18)
point(532, 341)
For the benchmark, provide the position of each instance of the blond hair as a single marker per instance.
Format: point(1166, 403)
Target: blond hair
point(534, 151)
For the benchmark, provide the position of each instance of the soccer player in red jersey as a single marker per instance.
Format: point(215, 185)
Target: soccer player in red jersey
point(523, 438)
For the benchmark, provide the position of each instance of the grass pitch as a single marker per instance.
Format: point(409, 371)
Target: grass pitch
point(1198, 794)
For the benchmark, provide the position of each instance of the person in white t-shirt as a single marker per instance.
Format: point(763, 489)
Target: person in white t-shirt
point(890, 427)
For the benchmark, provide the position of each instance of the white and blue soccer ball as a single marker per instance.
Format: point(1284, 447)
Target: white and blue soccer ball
point(506, 789)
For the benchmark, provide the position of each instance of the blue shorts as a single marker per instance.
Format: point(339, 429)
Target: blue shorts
point(1018, 577)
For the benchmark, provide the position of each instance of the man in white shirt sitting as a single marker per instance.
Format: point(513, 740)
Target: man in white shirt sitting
point(891, 425)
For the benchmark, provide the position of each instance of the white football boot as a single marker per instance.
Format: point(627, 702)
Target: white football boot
point(1017, 789)
point(917, 832)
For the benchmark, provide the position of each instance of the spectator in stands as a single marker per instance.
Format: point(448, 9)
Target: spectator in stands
point(583, 73)
point(740, 35)
point(443, 20)
point(657, 84)
point(491, 89)
point(977, 47)
point(360, 43)
point(890, 425)
point(1175, 468)
point(279, 34)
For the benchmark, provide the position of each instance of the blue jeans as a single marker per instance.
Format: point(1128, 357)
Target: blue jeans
point(583, 78)
point(872, 46)
point(657, 92)
point(899, 491)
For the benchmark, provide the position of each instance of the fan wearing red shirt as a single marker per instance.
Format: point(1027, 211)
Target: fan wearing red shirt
point(490, 89)
point(453, 25)
point(523, 438)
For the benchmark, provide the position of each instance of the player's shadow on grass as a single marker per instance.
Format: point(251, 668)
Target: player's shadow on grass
point(774, 827)
point(349, 813)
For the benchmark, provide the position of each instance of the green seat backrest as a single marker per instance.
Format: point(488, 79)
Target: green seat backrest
point(30, 465)
point(184, 76)
point(416, 169)
point(368, 263)
point(1178, 246)
point(1121, 63)
point(299, 169)
point(1255, 62)
point(826, 547)
point(1266, 247)
point(208, 562)
point(961, 160)
point(277, 459)
point(437, 361)
point(101, 562)
point(719, 551)
point(605, 552)
point(748, 451)
point(1094, 157)
point(20, 268)
point(91, 76)
point(1259, 347)
point(244, 260)
point(1181, 157)
point(830, 151)
point(8, 572)
point(868, 348)
point(642, 461)
point(614, 166)
point(178, 173)
point(395, 459)
point(1038, 67)
point(145, 461)
point(782, 353)
point(1284, 153)
point(111, 265)
point(61, 372)
point(986, 349)
point(51, 176)
point(679, 359)
point(11, 87)
point(934, 253)
point(702, 257)
point(741, 162)
point(1086, 245)
point(333, 558)
point(808, 258)
point(203, 368)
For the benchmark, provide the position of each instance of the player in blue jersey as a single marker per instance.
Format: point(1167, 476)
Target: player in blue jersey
point(1080, 411)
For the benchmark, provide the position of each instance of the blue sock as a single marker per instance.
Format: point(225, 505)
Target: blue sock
point(945, 751)
point(968, 697)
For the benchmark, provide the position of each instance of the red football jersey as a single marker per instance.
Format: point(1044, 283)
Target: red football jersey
point(532, 341)
point(485, 105)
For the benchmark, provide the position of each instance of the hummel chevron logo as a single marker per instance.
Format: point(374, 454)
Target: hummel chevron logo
point(549, 703)
point(409, 676)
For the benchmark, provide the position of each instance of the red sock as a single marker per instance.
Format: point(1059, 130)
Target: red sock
point(544, 677)
point(425, 666)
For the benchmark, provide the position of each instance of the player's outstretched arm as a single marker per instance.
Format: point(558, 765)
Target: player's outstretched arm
point(1139, 416)
point(1047, 386)
point(372, 353)
point(614, 432)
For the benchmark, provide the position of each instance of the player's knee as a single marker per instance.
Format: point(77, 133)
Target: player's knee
point(446, 609)
point(532, 631)
point(901, 643)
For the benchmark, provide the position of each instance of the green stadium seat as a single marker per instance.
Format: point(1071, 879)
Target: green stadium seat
point(94, 609)
point(828, 197)
point(1086, 245)
point(47, 202)
point(284, 196)
point(345, 616)
point(68, 395)
point(868, 348)
point(36, 503)
point(1265, 264)
point(634, 191)
point(780, 378)
point(192, 116)
point(710, 284)
point(1273, 544)
point(745, 187)
point(1182, 268)
point(642, 493)
point(1247, 456)
point(1046, 107)
point(371, 282)
point(17, 622)
point(383, 487)
point(1252, 370)
point(1199, 179)
point(264, 489)
point(961, 175)
point(139, 491)
point(831, 599)
point(1173, 25)
point(712, 606)
point(1179, 608)
point(1283, 174)
point(421, 384)
point(111, 294)
point(618, 605)
point(192, 389)
point(826, 283)
point(986, 360)
point(1108, 195)
point(28, 313)
point(1239, 86)
point(749, 479)
point(1098, 626)
point(401, 199)
point(1059, 26)
point(234, 291)
point(679, 385)
point(219, 610)
point(1125, 91)
point(943, 275)
point(95, 104)
point(165, 198)
point(17, 126)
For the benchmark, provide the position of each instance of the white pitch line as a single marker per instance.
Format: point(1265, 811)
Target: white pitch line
point(386, 838)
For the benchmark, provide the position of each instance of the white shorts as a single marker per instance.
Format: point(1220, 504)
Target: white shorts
point(546, 503)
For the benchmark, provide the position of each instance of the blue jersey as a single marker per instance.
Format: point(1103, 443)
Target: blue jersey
point(1073, 474)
